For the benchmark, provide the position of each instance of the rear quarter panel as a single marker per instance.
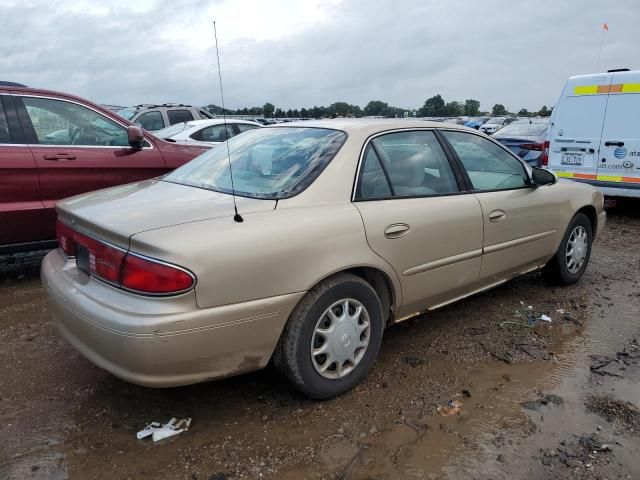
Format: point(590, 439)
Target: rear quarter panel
point(272, 253)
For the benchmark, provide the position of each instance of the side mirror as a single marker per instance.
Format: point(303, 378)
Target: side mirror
point(135, 136)
point(540, 176)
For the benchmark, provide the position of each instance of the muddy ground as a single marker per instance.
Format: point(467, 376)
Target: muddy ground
point(557, 399)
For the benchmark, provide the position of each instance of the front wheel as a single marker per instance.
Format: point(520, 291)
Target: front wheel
point(570, 261)
point(332, 337)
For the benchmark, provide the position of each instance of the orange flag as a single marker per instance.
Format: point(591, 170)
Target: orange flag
point(605, 26)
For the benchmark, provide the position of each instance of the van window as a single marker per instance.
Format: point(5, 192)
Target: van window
point(178, 116)
point(623, 117)
point(150, 120)
point(580, 117)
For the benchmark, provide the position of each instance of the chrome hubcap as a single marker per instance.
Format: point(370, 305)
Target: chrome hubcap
point(577, 247)
point(340, 338)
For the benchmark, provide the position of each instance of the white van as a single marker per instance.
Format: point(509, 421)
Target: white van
point(594, 134)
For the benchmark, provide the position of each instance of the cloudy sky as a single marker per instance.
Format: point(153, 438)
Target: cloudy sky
point(300, 53)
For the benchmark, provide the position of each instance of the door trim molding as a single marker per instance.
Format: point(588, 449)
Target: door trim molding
point(442, 262)
point(518, 241)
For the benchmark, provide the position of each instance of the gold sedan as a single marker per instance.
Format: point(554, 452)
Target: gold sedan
point(343, 227)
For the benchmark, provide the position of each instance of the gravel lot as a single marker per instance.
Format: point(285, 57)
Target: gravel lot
point(556, 400)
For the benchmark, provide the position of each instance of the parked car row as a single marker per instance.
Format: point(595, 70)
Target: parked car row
point(155, 117)
point(205, 132)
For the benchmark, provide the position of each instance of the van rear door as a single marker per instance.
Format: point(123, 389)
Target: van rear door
point(576, 127)
point(620, 147)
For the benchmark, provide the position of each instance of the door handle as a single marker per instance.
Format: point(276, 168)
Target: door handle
point(59, 156)
point(614, 144)
point(396, 230)
point(497, 215)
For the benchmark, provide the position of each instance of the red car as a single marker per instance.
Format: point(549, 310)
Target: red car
point(54, 145)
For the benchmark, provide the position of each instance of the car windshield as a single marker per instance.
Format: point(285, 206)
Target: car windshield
point(496, 121)
point(268, 163)
point(525, 128)
point(171, 130)
point(127, 113)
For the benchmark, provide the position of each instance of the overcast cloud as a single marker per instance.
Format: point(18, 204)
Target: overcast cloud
point(314, 52)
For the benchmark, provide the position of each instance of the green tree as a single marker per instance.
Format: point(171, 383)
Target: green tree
point(453, 109)
point(433, 107)
point(268, 109)
point(471, 107)
point(523, 112)
point(279, 113)
point(498, 110)
point(544, 111)
point(376, 108)
point(304, 113)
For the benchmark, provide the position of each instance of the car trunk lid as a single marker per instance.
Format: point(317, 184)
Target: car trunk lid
point(115, 214)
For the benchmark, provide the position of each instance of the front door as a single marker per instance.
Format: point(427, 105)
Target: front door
point(521, 222)
point(417, 219)
point(77, 150)
point(620, 148)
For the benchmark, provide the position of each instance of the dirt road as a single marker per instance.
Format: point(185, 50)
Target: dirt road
point(557, 399)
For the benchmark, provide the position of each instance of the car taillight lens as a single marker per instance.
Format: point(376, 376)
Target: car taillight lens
point(532, 146)
point(147, 276)
point(121, 268)
point(65, 239)
point(544, 158)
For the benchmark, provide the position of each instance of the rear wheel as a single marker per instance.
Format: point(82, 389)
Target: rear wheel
point(570, 261)
point(332, 337)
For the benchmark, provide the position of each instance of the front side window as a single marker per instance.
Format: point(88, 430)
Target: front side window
point(414, 163)
point(179, 116)
point(5, 137)
point(58, 122)
point(214, 133)
point(269, 163)
point(488, 165)
point(151, 121)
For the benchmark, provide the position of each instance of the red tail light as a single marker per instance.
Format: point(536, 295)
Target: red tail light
point(65, 239)
point(120, 268)
point(532, 146)
point(544, 158)
point(147, 276)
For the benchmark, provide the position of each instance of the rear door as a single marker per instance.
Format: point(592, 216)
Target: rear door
point(418, 218)
point(77, 149)
point(21, 210)
point(521, 222)
point(576, 127)
point(620, 146)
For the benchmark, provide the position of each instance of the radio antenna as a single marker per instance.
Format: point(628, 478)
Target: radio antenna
point(237, 217)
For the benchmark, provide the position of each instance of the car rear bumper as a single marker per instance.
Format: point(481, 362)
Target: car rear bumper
point(161, 342)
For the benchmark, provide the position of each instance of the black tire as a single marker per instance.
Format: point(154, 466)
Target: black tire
point(293, 355)
point(557, 270)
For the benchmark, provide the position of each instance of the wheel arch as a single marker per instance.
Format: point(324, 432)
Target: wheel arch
point(592, 215)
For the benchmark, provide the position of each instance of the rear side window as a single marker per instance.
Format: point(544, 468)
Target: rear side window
point(488, 165)
point(150, 120)
point(414, 165)
point(373, 180)
point(215, 133)
point(178, 116)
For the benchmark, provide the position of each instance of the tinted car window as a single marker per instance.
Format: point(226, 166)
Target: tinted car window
point(373, 181)
point(150, 120)
point(488, 165)
point(214, 133)
point(268, 163)
point(178, 116)
point(415, 163)
point(57, 122)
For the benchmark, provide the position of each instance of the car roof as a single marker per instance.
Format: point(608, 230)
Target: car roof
point(370, 126)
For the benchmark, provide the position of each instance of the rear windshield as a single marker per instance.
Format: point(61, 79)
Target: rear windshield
point(127, 113)
point(269, 163)
point(523, 127)
point(170, 131)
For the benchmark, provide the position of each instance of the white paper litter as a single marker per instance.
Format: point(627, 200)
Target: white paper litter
point(545, 318)
point(157, 431)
